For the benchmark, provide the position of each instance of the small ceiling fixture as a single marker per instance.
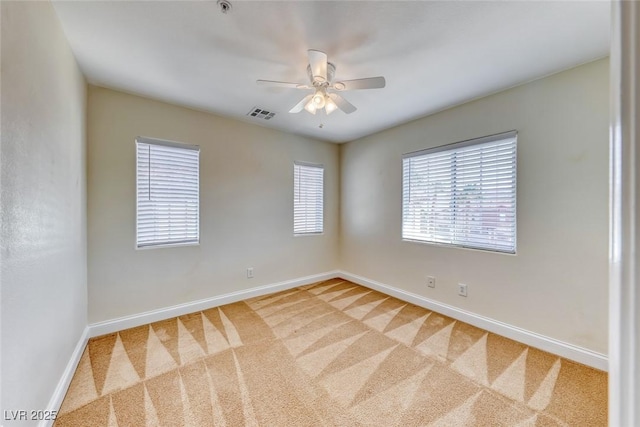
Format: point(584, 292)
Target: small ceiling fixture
point(224, 6)
point(321, 73)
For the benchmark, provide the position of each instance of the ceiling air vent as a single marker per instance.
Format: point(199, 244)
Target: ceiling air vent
point(259, 113)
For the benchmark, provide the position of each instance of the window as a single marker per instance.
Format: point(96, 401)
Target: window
point(308, 198)
point(462, 194)
point(167, 181)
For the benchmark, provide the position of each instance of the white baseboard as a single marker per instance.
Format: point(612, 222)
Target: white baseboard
point(551, 345)
point(114, 325)
point(67, 375)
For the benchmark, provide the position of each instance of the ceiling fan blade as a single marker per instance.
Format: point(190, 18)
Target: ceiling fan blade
point(342, 103)
point(367, 83)
point(300, 105)
point(272, 83)
point(318, 64)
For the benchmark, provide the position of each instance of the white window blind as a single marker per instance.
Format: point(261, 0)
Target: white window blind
point(167, 180)
point(308, 198)
point(462, 194)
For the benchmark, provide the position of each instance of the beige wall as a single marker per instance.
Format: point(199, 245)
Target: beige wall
point(246, 208)
point(556, 285)
point(43, 210)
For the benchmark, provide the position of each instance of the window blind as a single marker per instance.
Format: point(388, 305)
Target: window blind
point(462, 194)
point(167, 181)
point(308, 198)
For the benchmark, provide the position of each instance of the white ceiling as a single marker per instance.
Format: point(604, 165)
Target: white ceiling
point(434, 54)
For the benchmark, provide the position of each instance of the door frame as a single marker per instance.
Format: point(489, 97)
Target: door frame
point(624, 227)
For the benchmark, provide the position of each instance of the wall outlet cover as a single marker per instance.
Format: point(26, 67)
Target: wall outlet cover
point(431, 281)
point(462, 289)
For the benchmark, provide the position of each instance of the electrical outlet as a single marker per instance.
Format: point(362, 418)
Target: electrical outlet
point(431, 281)
point(462, 289)
point(250, 273)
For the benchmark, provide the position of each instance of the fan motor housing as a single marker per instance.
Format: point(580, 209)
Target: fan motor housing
point(331, 72)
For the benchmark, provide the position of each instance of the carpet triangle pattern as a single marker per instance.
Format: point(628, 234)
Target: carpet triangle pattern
point(329, 354)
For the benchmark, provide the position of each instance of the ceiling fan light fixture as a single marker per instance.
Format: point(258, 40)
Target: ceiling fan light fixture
point(329, 105)
point(339, 86)
point(310, 106)
point(318, 99)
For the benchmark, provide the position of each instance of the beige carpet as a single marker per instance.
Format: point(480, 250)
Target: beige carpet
point(329, 354)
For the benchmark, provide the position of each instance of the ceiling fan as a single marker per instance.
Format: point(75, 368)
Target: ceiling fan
point(321, 74)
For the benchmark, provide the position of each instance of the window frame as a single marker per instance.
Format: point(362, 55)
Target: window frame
point(174, 144)
point(512, 134)
point(308, 165)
